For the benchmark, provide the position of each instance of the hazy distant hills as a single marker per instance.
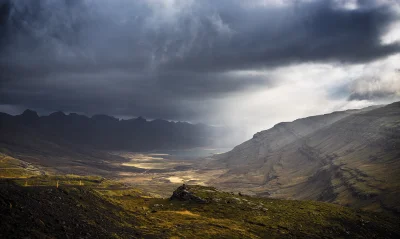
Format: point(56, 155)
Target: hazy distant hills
point(350, 158)
point(101, 132)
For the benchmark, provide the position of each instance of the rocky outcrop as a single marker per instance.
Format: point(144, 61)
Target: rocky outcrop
point(183, 193)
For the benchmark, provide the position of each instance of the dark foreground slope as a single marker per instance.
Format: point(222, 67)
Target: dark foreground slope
point(48, 212)
point(351, 160)
point(107, 210)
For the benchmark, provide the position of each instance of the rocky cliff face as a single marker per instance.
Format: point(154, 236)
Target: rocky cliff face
point(351, 158)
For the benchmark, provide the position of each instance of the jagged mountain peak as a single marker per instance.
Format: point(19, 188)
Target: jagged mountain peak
point(30, 114)
point(140, 119)
point(57, 114)
point(104, 117)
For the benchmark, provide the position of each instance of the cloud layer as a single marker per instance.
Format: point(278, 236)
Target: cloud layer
point(207, 61)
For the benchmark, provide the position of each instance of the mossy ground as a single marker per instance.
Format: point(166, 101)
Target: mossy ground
point(12, 168)
point(228, 215)
point(95, 207)
point(109, 211)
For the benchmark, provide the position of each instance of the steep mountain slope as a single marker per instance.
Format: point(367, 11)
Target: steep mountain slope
point(351, 158)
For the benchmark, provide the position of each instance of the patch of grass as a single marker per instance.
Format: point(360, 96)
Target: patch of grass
point(13, 168)
point(69, 180)
point(232, 216)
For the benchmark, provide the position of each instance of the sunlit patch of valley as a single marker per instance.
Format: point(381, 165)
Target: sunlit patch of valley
point(162, 171)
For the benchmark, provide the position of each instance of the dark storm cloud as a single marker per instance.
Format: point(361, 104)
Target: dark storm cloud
point(121, 93)
point(308, 32)
point(166, 61)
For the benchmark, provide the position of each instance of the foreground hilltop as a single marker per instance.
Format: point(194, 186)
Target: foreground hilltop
point(350, 158)
point(92, 207)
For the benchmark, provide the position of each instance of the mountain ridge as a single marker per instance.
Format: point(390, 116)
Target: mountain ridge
point(137, 134)
point(350, 158)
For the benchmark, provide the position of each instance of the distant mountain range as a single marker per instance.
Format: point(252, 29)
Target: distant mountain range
point(104, 132)
point(350, 157)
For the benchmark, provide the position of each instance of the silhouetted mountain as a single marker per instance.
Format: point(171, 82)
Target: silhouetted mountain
point(30, 115)
point(105, 132)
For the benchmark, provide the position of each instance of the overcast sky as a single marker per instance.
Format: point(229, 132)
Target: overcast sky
point(246, 63)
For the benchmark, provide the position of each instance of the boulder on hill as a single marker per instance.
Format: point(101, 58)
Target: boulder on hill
point(183, 193)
